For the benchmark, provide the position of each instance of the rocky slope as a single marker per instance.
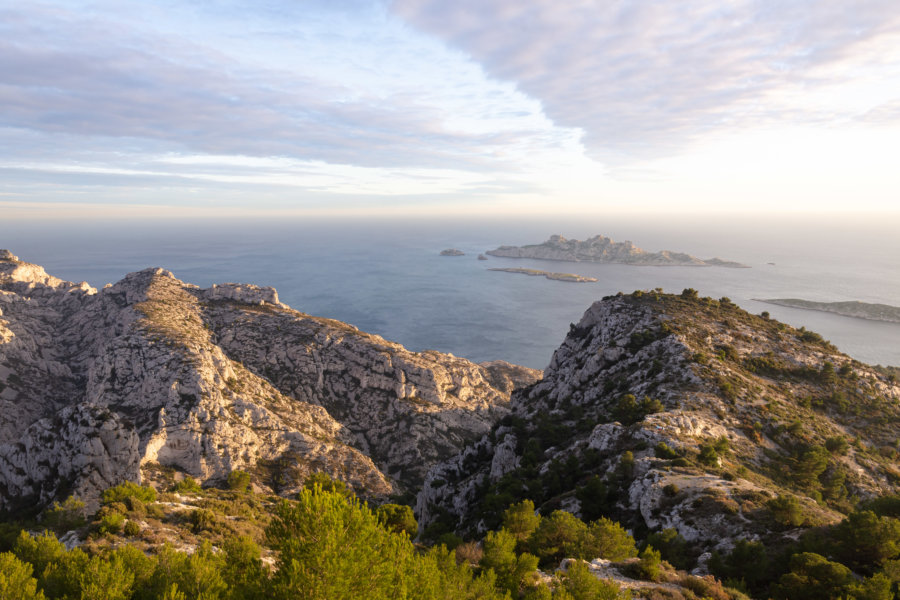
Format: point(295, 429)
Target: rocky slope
point(681, 412)
point(97, 387)
point(603, 250)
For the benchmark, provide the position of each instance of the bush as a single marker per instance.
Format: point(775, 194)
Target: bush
point(607, 539)
point(132, 529)
point(238, 481)
point(673, 548)
point(326, 483)
point(112, 523)
point(813, 577)
point(628, 410)
point(593, 498)
point(188, 485)
point(662, 450)
point(66, 516)
point(521, 520)
point(786, 510)
point(16, 582)
point(558, 536)
point(708, 455)
point(671, 490)
point(581, 584)
point(325, 543)
point(513, 572)
point(124, 491)
point(864, 541)
point(837, 445)
point(398, 518)
point(203, 520)
point(648, 567)
point(748, 562)
point(136, 506)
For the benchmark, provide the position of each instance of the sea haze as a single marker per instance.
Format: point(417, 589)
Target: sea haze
point(387, 277)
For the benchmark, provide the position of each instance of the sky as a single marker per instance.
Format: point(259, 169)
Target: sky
point(429, 107)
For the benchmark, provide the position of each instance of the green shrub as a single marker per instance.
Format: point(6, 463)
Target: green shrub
point(662, 450)
point(16, 582)
point(238, 480)
point(786, 510)
point(327, 484)
point(593, 498)
point(188, 485)
point(112, 523)
point(837, 445)
point(521, 520)
point(648, 567)
point(671, 490)
point(864, 541)
point(581, 584)
point(66, 516)
point(132, 529)
point(136, 506)
point(514, 572)
point(708, 455)
point(203, 519)
point(673, 548)
point(124, 491)
point(325, 545)
point(813, 577)
point(398, 518)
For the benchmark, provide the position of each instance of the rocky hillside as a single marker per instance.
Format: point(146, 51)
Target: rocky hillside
point(684, 413)
point(102, 386)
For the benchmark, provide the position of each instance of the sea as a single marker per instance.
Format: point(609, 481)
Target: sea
point(386, 275)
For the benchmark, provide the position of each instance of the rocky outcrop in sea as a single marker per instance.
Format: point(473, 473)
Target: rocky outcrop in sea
point(602, 249)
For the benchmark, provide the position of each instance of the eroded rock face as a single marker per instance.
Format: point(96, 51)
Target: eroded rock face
point(729, 429)
point(155, 371)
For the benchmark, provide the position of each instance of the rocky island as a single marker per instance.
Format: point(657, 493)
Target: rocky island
point(452, 252)
point(549, 275)
point(860, 310)
point(602, 249)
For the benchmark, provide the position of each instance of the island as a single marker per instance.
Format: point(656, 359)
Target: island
point(602, 249)
point(853, 308)
point(482, 257)
point(452, 252)
point(555, 276)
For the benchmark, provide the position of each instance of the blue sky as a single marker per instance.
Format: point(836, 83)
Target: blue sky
point(432, 107)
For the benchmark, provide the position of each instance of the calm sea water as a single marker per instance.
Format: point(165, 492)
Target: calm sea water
point(386, 277)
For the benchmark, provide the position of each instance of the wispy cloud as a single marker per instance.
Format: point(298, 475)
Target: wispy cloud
point(104, 89)
point(647, 78)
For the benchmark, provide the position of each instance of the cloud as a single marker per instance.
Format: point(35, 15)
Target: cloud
point(259, 80)
point(648, 78)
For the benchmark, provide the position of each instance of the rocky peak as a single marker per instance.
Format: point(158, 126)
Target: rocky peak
point(681, 412)
point(208, 381)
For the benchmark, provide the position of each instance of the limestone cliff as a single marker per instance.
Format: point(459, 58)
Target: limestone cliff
point(99, 386)
point(682, 412)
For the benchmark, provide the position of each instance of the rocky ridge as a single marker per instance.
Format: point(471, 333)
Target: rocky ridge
point(602, 249)
point(101, 386)
point(684, 413)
